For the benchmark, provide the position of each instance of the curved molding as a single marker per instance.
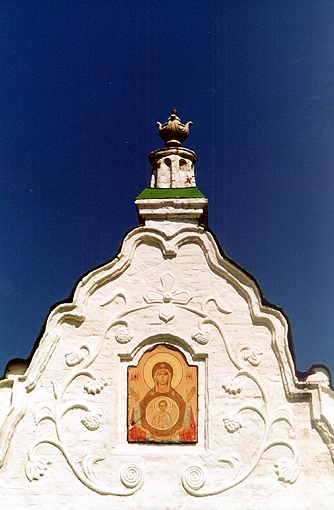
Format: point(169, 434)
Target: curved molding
point(74, 315)
point(169, 245)
point(165, 338)
point(236, 467)
point(81, 411)
point(245, 286)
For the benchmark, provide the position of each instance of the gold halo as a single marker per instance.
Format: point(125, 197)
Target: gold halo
point(163, 357)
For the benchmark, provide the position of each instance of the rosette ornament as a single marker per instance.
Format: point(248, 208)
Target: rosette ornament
point(173, 132)
point(167, 297)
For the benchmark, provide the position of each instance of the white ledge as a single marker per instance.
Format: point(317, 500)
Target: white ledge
point(173, 209)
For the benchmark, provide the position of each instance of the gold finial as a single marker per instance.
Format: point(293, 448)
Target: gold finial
point(173, 132)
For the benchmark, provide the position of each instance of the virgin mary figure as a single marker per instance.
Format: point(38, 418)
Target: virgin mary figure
point(162, 416)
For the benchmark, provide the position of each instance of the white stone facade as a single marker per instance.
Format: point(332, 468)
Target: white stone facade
point(265, 439)
point(64, 431)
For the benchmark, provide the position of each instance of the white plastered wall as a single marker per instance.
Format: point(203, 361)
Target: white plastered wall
point(264, 438)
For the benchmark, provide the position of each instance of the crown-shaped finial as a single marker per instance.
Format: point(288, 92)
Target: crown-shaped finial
point(173, 132)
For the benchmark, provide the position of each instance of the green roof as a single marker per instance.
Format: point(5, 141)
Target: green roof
point(171, 193)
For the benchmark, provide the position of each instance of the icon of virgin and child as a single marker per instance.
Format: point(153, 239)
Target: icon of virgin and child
point(162, 398)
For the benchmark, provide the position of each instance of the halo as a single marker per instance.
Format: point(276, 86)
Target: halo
point(166, 357)
point(157, 401)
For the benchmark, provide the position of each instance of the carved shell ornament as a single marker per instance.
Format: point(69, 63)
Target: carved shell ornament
point(174, 132)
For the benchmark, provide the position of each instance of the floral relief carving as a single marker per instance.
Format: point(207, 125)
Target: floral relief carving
point(233, 386)
point(213, 304)
point(252, 354)
point(79, 412)
point(76, 356)
point(286, 470)
point(42, 414)
point(201, 334)
point(88, 462)
point(78, 361)
point(231, 425)
point(95, 386)
point(252, 410)
point(206, 324)
point(36, 467)
point(194, 479)
point(123, 334)
point(167, 297)
point(91, 421)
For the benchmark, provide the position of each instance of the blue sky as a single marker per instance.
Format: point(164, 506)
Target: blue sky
point(82, 86)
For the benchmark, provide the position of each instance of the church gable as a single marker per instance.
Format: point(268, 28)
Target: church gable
point(167, 382)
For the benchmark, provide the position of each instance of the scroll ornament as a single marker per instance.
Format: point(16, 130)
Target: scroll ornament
point(236, 469)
